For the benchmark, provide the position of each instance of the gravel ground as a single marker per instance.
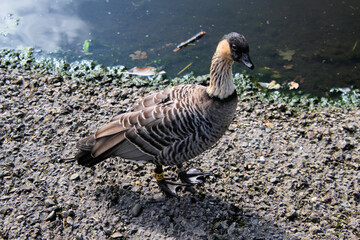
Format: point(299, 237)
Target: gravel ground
point(278, 174)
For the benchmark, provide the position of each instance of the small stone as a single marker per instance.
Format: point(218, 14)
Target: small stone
point(351, 128)
point(70, 221)
point(20, 218)
point(315, 230)
point(136, 210)
point(116, 235)
point(127, 186)
point(270, 191)
point(232, 229)
point(75, 176)
point(346, 145)
point(314, 218)
point(274, 180)
point(71, 213)
point(51, 216)
point(132, 231)
point(49, 202)
point(199, 232)
point(291, 213)
point(262, 159)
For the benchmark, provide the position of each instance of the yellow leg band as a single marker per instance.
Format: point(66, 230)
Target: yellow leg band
point(159, 176)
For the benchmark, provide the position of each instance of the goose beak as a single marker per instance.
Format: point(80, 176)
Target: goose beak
point(245, 59)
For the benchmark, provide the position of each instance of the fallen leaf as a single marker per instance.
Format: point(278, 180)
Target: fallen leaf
point(138, 55)
point(286, 54)
point(293, 85)
point(273, 85)
point(288, 67)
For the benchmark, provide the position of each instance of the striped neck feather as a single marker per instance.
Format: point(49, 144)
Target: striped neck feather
point(221, 81)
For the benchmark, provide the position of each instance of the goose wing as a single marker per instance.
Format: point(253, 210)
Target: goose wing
point(142, 133)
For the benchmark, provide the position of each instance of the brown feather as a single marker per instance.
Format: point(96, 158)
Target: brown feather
point(106, 143)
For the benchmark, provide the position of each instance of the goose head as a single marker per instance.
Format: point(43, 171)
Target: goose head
point(235, 47)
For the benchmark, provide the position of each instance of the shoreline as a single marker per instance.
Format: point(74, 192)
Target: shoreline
point(88, 70)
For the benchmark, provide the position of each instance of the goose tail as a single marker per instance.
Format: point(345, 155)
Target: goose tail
point(84, 156)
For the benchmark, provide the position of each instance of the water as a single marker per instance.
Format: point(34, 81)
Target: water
point(323, 34)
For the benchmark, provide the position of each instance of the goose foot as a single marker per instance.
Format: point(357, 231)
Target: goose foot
point(192, 176)
point(168, 187)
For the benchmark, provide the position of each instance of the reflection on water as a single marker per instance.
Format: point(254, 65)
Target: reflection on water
point(313, 43)
point(46, 25)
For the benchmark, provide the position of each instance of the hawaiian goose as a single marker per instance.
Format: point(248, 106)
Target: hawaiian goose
point(176, 124)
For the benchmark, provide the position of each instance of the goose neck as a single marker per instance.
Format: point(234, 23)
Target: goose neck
point(221, 81)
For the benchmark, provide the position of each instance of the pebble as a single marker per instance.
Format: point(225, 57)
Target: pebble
point(136, 210)
point(117, 235)
point(51, 216)
point(274, 180)
point(315, 230)
point(20, 218)
point(291, 213)
point(262, 159)
point(49, 202)
point(75, 176)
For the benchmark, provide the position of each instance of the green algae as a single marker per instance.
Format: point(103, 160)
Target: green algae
point(246, 85)
point(86, 46)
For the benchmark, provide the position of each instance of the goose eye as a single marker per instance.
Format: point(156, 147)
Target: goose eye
point(233, 47)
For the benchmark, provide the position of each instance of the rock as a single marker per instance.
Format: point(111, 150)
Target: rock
point(75, 176)
point(274, 180)
point(20, 218)
point(346, 145)
point(69, 221)
point(314, 217)
point(51, 216)
point(49, 202)
point(136, 210)
point(232, 229)
point(117, 235)
point(315, 230)
point(291, 214)
point(262, 159)
point(199, 232)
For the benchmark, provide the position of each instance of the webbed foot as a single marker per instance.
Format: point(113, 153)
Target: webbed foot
point(169, 187)
point(192, 176)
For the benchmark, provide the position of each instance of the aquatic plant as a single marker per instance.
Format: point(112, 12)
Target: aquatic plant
point(86, 46)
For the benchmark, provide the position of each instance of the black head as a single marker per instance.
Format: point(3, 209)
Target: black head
point(239, 48)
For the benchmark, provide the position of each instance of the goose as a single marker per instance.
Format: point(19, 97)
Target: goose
point(174, 125)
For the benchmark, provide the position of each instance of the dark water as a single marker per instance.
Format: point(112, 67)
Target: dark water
point(322, 35)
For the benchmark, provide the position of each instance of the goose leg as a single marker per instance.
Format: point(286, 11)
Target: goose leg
point(168, 187)
point(192, 175)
